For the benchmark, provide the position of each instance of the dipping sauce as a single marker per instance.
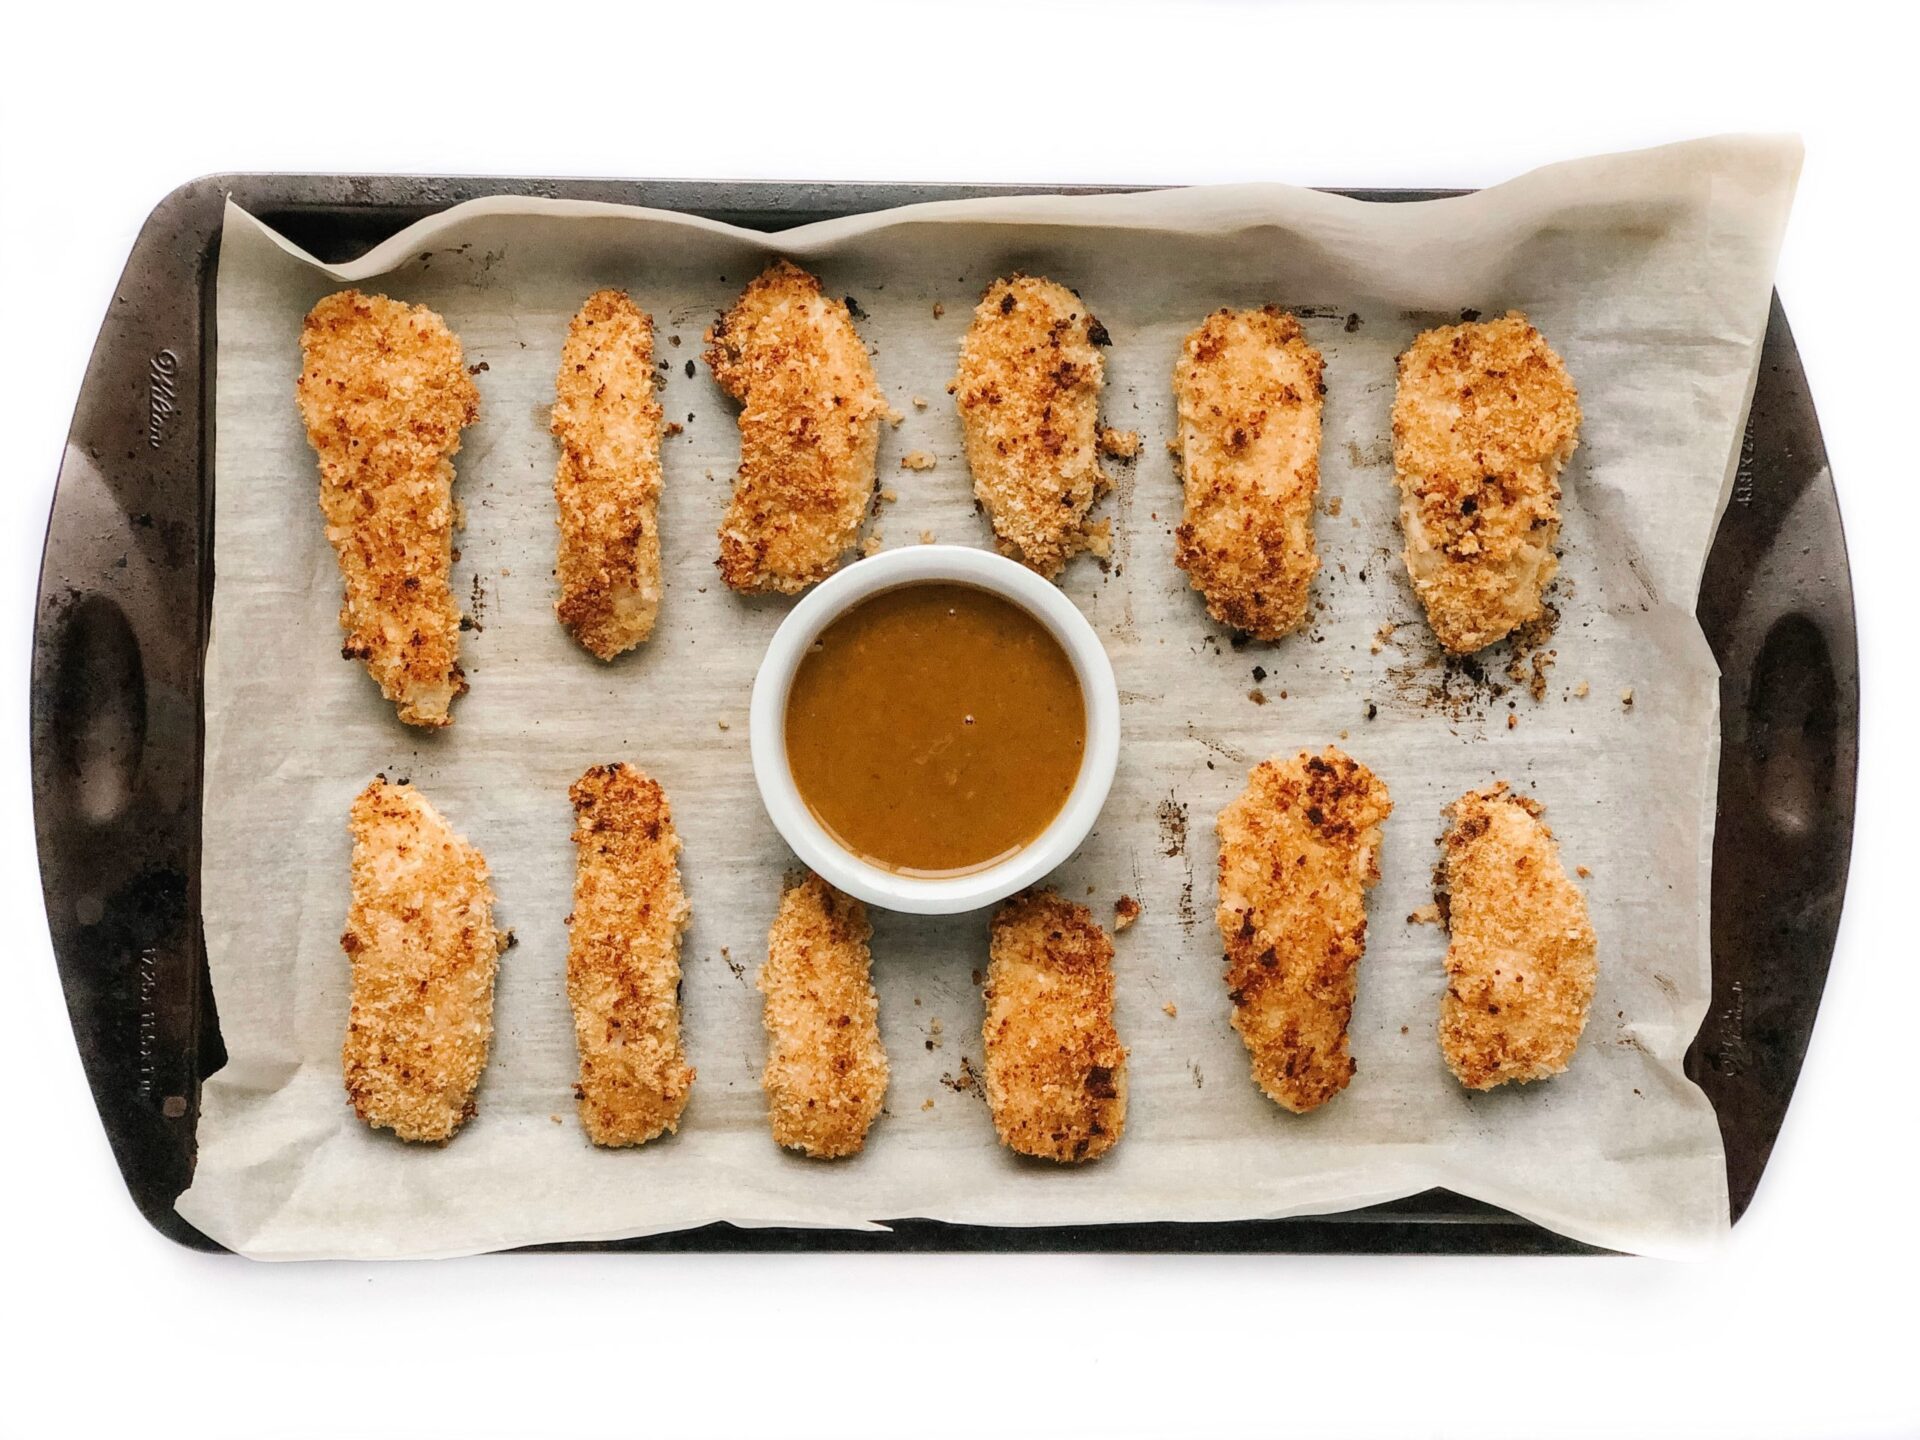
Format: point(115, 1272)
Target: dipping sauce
point(935, 729)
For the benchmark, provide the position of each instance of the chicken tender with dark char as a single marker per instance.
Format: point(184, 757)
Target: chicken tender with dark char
point(1520, 960)
point(385, 393)
point(1248, 390)
point(1056, 1072)
point(607, 486)
point(1028, 390)
point(1484, 419)
point(623, 957)
point(424, 951)
point(826, 1074)
point(1299, 849)
point(809, 431)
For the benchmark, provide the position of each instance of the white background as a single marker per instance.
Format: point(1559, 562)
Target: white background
point(1804, 1326)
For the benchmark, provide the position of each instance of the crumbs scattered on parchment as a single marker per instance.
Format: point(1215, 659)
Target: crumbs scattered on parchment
point(892, 416)
point(917, 460)
point(723, 724)
point(739, 970)
point(1583, 872)
point(1582, 690)
point(926, 537)
point(1626, 698)
point(554, 1118)
point(1120, 444)
point(1126, 910)
point(1382, 636)
point(671, 429)
point(919, 402)
point(873, 544)
point(966, 1082)
point(938, 309)
point(1333, 505)
point(1171, 1010)
point(934, 1031)
point(1257, 695)
point(927, 1104)
point(1428, 914)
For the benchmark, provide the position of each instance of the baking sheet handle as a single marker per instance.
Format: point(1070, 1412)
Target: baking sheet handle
point(119, 632)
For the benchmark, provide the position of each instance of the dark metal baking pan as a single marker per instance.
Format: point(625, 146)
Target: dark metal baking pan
point(121, 628)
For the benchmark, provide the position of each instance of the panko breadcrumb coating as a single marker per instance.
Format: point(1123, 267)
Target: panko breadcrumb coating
point(809, 431)
point(1248, 388)
point(826, 1074)
point(1028, 389)
point(1056, 1072)
point(1299, 849)
point(607, 485)
point(1484, 419)
point(421, 942)
point(623, 957)
point(385, 393)
point(1520, 964)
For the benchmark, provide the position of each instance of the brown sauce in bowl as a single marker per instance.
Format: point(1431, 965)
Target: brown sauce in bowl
point(935, 729)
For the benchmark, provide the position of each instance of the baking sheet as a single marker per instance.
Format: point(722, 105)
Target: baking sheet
point(1650, 273)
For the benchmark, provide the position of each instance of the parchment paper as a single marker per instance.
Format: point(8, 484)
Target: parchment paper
point(1649, 272)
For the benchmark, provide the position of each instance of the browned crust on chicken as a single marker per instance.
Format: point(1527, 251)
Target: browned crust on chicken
point(385, 393)
point(809, 431)
point(423, 950)
point(1056, 1072)
point(607, 486)
point(1028, 389)
point(623, 957)
point(1248, 389)
point(1520, 963)
point(1299, 849)
point(826, 1075)
point(1484, 419)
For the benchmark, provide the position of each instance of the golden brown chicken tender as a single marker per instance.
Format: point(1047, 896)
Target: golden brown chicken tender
point(1484, 419)
point(1299, 849)
point(1056, 1072)
point(421, 942)
point(826, 1074)
point(623, 957)
point(385, 394)
point(809, 431)
point(1520, 964)
point(607, 486)
point(1028, 389)
point(1248, 388)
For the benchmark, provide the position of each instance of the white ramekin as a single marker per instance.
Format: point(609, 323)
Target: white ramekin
point(907, 566)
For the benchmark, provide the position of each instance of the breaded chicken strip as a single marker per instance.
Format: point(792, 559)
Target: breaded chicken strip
point(421, 942)
point(1299, 849)
point(1520, 966)
point(607, 485)
point(1056, 1072)
point(623, 957)
point(1248, 387)
point(1483, 421)
point(826, 1074)
point(809, 430)
point(1028, 389)
point(385, 394)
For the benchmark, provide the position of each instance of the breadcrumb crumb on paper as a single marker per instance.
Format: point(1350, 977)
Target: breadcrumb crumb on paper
point(917, 460)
